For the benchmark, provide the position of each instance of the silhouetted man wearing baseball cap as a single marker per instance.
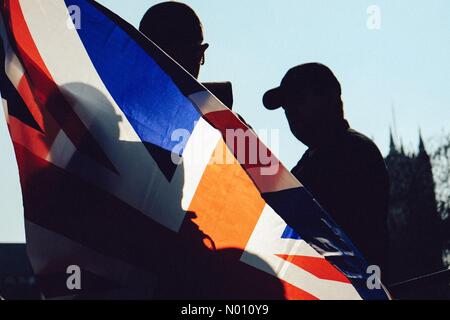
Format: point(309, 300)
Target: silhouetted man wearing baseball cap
point(342, 168)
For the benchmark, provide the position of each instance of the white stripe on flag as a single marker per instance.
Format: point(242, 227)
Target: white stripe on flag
point(206, 102)
point(196, 156)
point(5, 109)
point(266, 237)
point(13, 67)
point(281, 180)
point(62, 150)
point(266, 243)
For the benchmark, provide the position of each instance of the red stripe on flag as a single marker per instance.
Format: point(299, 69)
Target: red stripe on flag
point(47, 93)
point(295, 293)
point(253, 154)
point(39, 114)
point(36, 142)
point(319, 267)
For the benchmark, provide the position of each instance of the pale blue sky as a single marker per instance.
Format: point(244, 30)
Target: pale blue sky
point(254, 42)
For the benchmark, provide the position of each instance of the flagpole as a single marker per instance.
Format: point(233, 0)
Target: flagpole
point(428, 276)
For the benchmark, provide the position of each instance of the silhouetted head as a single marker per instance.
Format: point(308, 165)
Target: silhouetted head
point(310, 94)
point(176, 28)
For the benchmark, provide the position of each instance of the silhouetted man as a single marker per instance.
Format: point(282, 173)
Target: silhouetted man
point(178, 31)
point(176, 28)
point(342, 168)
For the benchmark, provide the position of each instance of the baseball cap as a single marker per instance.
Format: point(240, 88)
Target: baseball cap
point(309, 77)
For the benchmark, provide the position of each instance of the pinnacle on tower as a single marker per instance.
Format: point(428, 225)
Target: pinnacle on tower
point(392, 147)
point(421, 143)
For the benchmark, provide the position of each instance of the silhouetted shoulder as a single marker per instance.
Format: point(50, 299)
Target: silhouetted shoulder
point(361, 142)
point(361, 152)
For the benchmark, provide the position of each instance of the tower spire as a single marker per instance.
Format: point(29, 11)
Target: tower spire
point(392, 146)
point(402, 149)
point(421, 143)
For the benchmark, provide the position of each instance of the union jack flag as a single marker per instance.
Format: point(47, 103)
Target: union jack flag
point(91, 111)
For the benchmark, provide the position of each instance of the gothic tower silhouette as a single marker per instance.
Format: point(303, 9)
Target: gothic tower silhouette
point(413, 220)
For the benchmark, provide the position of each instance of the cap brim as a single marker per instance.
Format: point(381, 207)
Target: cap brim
point(273, 99)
